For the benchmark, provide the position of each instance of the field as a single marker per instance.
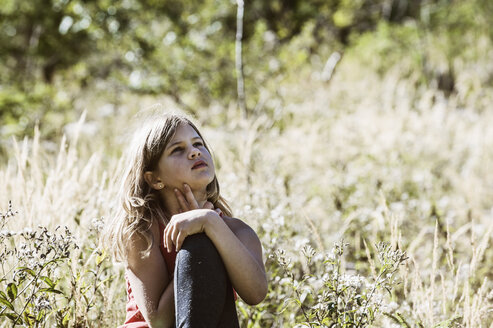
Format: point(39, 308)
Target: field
point(337, 168)
point(369, 181)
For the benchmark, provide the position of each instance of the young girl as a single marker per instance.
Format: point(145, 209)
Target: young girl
point(186, 257)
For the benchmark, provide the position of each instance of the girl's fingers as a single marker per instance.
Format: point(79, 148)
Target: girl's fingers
point(190, 197)
point(182, 201)
point(169, 240)
point(179, 240)
point(174, 237)
point(165, 237)
point(165, 233)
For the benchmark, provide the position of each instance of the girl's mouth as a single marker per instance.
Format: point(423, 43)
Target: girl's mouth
point(199, 164)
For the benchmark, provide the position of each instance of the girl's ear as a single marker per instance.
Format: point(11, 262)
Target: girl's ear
point(152, 181)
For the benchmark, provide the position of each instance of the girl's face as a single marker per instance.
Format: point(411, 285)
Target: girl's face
point(186, 160)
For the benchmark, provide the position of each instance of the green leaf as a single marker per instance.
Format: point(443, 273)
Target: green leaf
point(28, 270)
point(11, 316)
point(3, 295)
point(243, 311)
point(100, 258)
point(12, 291)
point(40, 316)
point(5, 302)
point(50, 290)
point(66, 319)
point(48, 281)
point(397, 318)
point(29, 319)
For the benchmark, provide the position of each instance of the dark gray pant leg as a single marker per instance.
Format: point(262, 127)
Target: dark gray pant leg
point(203, 292)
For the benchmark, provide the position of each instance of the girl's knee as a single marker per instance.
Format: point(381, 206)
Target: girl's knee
point(199, 255)
point(199, 245)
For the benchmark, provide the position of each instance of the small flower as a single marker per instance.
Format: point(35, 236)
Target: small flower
point(352, 281)
point(97, 224)
point(282, 259)
point(42, 303)
point(308, 251)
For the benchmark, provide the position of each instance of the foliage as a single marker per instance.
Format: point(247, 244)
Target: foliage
point(54, 50)
point(386, 165)
point(394, 147)
point(41, 283)
point(339, 298)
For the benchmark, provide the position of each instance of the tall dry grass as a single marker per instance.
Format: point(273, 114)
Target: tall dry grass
point(364, 158)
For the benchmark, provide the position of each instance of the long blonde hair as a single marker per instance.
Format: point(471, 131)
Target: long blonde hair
point(141, 205)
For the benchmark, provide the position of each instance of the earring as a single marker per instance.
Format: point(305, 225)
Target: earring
point(160, 186)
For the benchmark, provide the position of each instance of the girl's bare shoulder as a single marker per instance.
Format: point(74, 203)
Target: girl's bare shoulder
point(139, 244)
point(238, 226)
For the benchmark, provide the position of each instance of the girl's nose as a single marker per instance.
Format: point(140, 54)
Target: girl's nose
point(194, 153)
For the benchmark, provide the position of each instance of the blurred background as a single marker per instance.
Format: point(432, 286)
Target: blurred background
point(60, 57)
point(365, 120)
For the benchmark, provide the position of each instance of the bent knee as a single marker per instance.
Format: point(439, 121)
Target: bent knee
point(199, 260)
point(199, 244)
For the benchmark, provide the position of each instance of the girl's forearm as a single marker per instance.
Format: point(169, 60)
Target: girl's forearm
point(246, 273)
point(165, 313)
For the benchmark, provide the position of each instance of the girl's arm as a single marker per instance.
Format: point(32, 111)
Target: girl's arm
point(148, 277)
point(241, 252)
point(236, 242)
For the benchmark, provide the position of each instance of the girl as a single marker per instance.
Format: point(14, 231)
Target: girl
point(183, 251)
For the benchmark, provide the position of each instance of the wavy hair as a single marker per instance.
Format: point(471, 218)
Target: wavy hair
point(140, 205)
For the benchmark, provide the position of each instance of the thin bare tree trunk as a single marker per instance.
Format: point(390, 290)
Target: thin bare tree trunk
point(239, 59)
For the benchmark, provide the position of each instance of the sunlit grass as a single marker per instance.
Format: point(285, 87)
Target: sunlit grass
point(363, 158)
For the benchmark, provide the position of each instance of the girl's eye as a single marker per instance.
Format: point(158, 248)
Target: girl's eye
point(198, 144)
point(177, 149)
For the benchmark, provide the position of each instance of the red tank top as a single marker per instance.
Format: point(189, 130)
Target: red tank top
point(134, 318)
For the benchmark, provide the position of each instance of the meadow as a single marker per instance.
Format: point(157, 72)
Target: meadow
point(371, 189)
point(372, 199)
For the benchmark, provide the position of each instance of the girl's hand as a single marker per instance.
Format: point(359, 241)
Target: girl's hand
point(188, 202)
point(192, 220)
